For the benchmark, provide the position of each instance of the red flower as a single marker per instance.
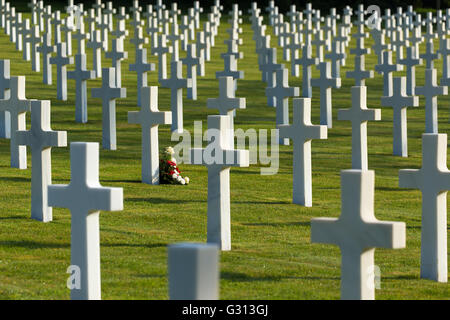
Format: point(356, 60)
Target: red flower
point(173, 164)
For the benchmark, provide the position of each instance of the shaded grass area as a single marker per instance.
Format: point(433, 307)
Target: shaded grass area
point(271, 257)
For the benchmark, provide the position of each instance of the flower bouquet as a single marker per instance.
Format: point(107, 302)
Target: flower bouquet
point(168, 169)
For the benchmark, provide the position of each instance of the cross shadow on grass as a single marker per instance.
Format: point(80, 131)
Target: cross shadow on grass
point(14, 218)
point(15, 179)
point(262, 202)
point(242, 277)
point(135, 245)
point(277, 224)
point(122, 181)
point(34, 245)
point(162, 200)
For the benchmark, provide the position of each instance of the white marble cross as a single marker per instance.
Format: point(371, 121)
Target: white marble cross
point(98, 6)
point(227, 102)
point(141, 67)
point(444, 51)
point(109, 93)
point(429, 56)
point(176, 83)
point(193, 63)
point(379, 43)
point(360, 74)
point(185, 262)
point(161, 50)
point(410, 62)
point(81, 37)
point(104, 31)
point(230, 69)
point(281, 93)
point(41, 138)
point(319, 42)
point(61, 61)
point(325, 83)
point(399, 101)
point(121, 32)
point(117, 54)
point(218, 157)
point(68, 29)
point(96, 45)
point(57, 22)
point(46, 49)
point(336, 56)
point(34, 39)
point(306, 61)
point(433, 180)
point(197, 11)
point(358, 114)
point(269, 68)
point(5, 118)
point(81, 75)
point(203, 46)
point(85, 197)
point(175, 37)
point(139, 40)
point(232, 49)
point(430, 90)
point(358, 232)
point(18, 27)
point(16, 104)
point(386, 68)
point(301, 131)
point(149, 117)
point(26, 32)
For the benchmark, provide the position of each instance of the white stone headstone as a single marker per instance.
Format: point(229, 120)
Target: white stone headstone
point(433, 181)
point(281, 93)
point(5, 118)
point(16, 104)
point(176, 83)
point(41, 138)
point(109, 93)
point(96, 45)
point(387, 68)
point(141, 67)
point(227, 102)
point(193, 63)
point(149, 117)
point(325, 83)
point(61, 61)
point(161, 50)
point(46, 49)
point(117, 54)
point(193, 271)
point(225, 156)
point(358, 114)
point(399, 101)
point(358, 232)
point(430, 90)
point(306, 61)
point(81, 75)
point(85, 197)
point(302, 132)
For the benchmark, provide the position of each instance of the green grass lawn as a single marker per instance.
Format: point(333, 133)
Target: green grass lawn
point(272, 256)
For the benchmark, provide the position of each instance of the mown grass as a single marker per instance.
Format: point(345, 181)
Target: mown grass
point(272, 256)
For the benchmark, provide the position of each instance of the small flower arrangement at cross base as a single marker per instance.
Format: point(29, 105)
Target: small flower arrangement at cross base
point(168, 169)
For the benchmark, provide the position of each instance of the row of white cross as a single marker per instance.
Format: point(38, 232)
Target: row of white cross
point(357, 220)
point(84, 156)
point(357, 212)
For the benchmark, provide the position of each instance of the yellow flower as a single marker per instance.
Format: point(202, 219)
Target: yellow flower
point(169, 150)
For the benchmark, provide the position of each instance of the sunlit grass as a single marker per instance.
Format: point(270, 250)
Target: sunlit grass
point(271, 257)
